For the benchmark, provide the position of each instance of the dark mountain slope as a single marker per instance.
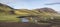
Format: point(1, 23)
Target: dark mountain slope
point(50, 10)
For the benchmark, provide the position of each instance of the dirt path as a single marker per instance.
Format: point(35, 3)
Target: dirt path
point(15, 24)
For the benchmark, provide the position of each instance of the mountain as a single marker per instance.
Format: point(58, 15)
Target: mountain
point(5, 5)
point(34, 11)
point(44, 14)
point(50, 10)
point(9, 10)
point(5, 8)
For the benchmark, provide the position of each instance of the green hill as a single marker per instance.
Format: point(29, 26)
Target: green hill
point(5, 8)
point(5, 15)
point(9, 14)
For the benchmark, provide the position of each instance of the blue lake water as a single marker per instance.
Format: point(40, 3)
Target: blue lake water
point(24, 20)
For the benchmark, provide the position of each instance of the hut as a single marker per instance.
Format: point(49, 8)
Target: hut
point(28, 18)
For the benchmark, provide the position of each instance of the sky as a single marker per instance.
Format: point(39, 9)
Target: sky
point(32, 4)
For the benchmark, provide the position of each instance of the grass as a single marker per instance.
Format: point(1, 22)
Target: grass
point(8, 18)
point(12, 18)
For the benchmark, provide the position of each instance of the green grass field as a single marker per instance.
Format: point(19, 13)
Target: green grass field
point(8, 18)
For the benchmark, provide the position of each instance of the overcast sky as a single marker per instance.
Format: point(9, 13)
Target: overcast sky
point(31, 4)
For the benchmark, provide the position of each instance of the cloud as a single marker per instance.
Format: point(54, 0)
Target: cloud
point(52, 3)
